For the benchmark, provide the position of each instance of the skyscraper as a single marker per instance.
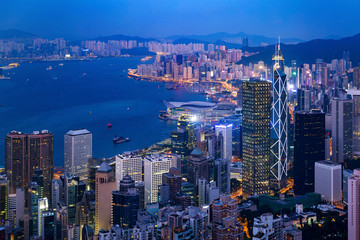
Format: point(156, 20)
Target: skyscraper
point(154, 167)
point(4, 192)
point(173, 179)
point(128, 164)
point(309, 147)
point(354, 206)
point(198, 166)
point(256, 137)
point(125, 203)
point(105, 184)
point(342, 129)
point(226, 131)
point(328, 181)
point(26, 152)
point(77, 151)
point(279, 119)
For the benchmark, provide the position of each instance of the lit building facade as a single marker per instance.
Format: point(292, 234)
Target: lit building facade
point(77, 151)
point(256, 137)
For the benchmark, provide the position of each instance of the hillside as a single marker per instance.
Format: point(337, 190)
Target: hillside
point(308, 52)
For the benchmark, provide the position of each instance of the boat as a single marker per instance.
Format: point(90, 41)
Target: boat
point(109, 125)
point(118, 140)
point(49, 68)
point(61, 64)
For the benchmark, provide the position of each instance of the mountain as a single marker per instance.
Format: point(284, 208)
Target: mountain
point(119, 37)
point(308, 52)
point(14, 33)
point(254, 40)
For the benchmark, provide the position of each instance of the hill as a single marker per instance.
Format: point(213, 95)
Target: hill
point(308, 52)
point(120, 37)
point(254, 40)
point(14, 33)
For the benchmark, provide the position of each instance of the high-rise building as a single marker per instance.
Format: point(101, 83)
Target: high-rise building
point(77, 151)
point(56, 193)
point(226, 131)
point(125, 203)
point(328, 181)
point(279, 120)
point(309, 147)
point(70, 195)
point(198, 166)
point(236, 122)
point(154, 166)
point(342, 129)
point(173, 178)
point(222, 175)
point(93, 164)
point(104, 185)
point(256, 137)
point(4, 193)
point(43, 206)
point(267, 227)
point(303, 100)
point(354, 206)
point(48, 225)
point(24, 153)
point(128, 164)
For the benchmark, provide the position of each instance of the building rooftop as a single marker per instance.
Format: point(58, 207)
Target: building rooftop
point(104, 167)
point(78, 132)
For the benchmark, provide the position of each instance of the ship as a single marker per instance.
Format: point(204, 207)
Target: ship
point(109, 125)
point(49, 68)
point(118, 140)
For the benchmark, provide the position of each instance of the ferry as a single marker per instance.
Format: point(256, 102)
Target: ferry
point(118, 140)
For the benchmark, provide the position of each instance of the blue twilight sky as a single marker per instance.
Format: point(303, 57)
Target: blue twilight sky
point(78, 19)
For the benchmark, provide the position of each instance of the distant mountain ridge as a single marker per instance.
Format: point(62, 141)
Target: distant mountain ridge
point(120, 37)
point(254, 40)
point(14, 33)
point(308, 52)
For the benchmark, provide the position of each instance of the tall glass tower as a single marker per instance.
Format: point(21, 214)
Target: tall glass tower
point(279, 119)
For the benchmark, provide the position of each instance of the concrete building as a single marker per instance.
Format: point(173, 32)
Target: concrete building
point(342, 129)
point(77, 151)
point(128, 164)
point(226, 131)
point(104, 185)
point(328, 180)
point(354, 206)
point(154, 166)
point(267, 227)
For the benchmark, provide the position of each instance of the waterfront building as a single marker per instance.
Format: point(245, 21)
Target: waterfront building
point(342, 129)
point(26, 152)
point(125, 203)
point(104, 185)
point(354, 206)
point(256, 137)
point(279, 120)
point(328, 181)
point(309, 147)
point(154, 166)
point(77, 151)
point(128, 164)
